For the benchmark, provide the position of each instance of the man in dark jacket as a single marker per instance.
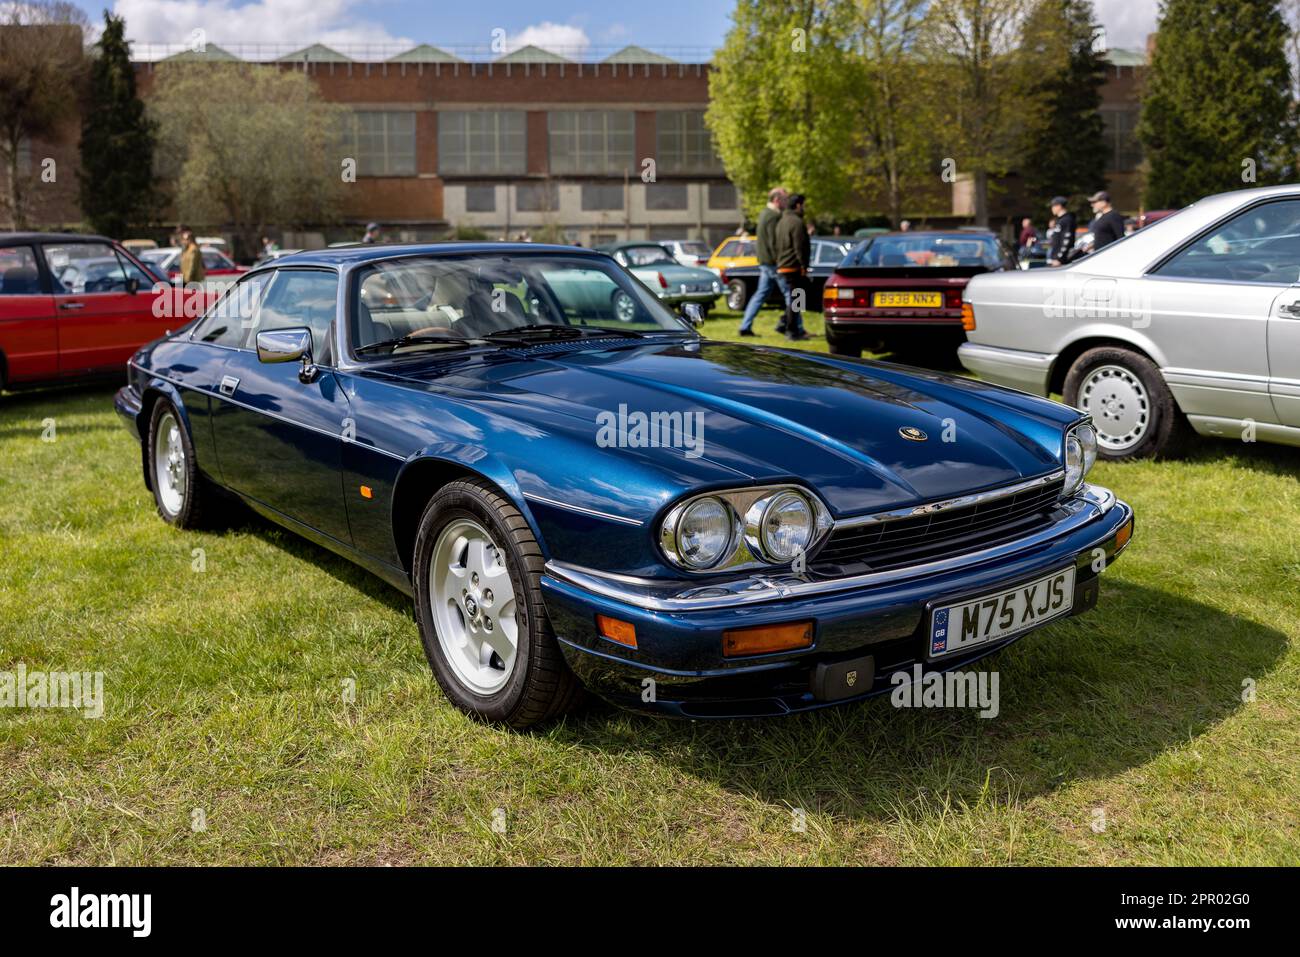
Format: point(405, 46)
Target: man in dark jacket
point(1109, 225)
point(766, 252)
point(793, 257)
point(1063, 241)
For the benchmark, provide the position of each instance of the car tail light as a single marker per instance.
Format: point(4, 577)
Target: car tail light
point(968, 317)
point(662, 281)
point(722, 274)
point(701, 261)
point(764, 639)
point(952, 299)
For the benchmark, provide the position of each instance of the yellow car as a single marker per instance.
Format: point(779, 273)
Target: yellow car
point(732, 252)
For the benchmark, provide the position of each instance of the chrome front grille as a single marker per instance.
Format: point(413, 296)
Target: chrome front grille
point(941, 529)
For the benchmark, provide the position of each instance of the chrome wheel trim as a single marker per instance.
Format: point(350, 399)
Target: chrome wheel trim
point(169, 464)
point(1119, 405)
point(624, 307)
point(473, 604)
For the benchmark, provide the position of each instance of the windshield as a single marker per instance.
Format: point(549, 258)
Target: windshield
point(926, 250)
point(647, 256)
point(427, 301)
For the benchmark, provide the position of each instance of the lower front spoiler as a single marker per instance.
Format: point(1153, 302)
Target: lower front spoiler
point(874, 633)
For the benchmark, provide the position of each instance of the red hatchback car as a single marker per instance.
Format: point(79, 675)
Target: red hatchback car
point(73, 306)
point(902, 292)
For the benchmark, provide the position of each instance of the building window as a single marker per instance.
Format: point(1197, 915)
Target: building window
point(474, 142)
point(480, 199)
point(598, 196)
point(684, 144)
point(382, 142)
point(665, 196)
point(536, 198)
point(592, 142)
point(1123, 151)
point(722, 196)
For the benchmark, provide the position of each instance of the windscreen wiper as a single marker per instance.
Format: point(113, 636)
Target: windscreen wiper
point(392, 345)
point(548, 330)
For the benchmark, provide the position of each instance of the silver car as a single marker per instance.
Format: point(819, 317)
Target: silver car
point(1192, 323)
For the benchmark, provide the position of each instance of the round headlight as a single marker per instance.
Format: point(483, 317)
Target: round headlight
point(786, 528)
point(1080, 454)
point(703, 533)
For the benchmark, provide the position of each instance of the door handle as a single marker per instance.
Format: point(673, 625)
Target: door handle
point(1290, 310)
point(228, 385)
point(72, 305)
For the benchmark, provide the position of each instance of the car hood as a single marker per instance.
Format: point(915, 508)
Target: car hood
point(766, 414)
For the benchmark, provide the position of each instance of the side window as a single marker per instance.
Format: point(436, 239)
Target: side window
point(729, 250)
point(18, 273)
point(84, 268)
point(302, 297)
point(132, 271)
point(214, 260)
point(232, 320)
point(1261, 244)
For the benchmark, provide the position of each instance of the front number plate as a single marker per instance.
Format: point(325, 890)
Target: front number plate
point(955, 628)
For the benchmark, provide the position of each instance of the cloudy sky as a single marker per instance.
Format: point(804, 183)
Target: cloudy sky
point(573, 25)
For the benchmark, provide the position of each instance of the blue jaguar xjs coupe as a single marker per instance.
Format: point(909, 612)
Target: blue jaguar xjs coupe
point(578, 490)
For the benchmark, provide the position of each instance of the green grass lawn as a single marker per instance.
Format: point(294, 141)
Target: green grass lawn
point(1123, 736)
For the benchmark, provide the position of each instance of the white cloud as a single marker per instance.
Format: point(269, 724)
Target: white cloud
point(281, 25)
point(1127, 22)
point(560, 38)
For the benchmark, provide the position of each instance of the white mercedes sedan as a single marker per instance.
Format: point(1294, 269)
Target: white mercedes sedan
point(1192, 323)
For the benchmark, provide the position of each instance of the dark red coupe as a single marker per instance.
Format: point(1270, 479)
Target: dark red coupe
point(902, 292)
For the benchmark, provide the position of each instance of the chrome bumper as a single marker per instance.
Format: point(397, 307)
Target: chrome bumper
point(1027, 371)
point(1089, 505)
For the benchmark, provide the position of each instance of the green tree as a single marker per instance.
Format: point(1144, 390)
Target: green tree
point(1065, 153)
point(1217, 111)
point(896, 141)
point(117, 140)
point(251, 145)
point(42, 62)
point(981, 74)
point(781, 101)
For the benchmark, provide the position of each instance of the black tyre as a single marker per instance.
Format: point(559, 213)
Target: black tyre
point(1131, 406)
point(183, 496)
point(737, 295)
point(842, 345)
point(478, 603)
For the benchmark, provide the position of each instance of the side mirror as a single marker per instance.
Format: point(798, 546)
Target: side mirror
point(694, 313)
point(287, 345)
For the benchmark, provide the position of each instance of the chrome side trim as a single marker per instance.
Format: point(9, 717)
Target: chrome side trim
point(958, 502)
point(229, 398)
point(585, 511)
point(1090, 504)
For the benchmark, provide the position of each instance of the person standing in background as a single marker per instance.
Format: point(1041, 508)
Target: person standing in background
point(192, 270)
point(1108, 225)
point(793, 257)
point(1028, 235)
point(766, 252)
point(1063, 241)
point(372, 234)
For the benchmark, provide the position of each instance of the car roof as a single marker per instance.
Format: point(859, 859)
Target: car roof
point(967, 233)
point(354, 255)
point(29, 237)
point(634, 243)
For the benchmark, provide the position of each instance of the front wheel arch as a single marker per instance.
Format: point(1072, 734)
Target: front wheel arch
point(420, 480)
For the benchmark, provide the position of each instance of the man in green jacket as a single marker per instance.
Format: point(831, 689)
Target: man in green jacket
point(793, 258)
point(766, 253)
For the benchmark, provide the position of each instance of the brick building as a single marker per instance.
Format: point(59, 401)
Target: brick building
point(533, 142)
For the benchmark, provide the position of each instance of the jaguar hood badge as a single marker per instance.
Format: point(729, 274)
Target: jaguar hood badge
point(912, 434)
